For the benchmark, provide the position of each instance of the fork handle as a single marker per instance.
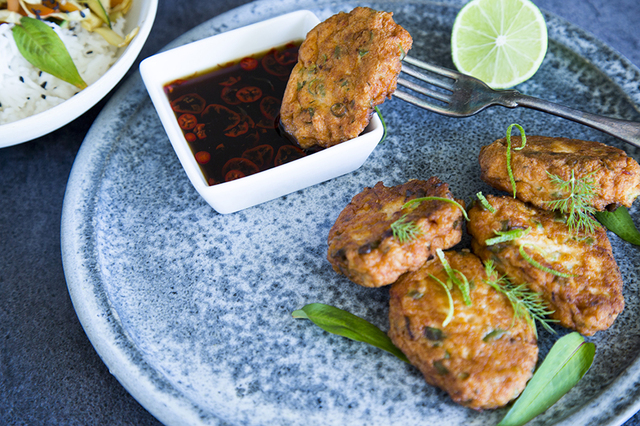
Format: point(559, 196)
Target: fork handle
point(628, 131)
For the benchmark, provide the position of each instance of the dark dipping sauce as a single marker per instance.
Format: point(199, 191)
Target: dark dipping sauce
point(230, 115)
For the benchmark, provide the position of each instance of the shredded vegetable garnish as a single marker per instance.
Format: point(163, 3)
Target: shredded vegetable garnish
point(485, 203)
point(462, 283)
point(384, 125)
point(447, 288)
point(537, 265)
point(446, 200)
point(505, 236)
point(524, 142)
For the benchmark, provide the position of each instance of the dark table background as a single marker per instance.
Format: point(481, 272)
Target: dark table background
point(49, 372)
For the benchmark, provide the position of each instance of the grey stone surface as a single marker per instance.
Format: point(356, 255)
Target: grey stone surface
point(50, 373)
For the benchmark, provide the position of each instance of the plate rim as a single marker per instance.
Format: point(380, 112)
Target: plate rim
point(158, 396)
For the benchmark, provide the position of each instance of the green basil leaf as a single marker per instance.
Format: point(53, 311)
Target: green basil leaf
point(620, 223)
point(567, 362)
point(345, 324)
point(42, 47)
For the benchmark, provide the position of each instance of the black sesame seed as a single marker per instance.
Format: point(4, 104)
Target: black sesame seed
point(44, 85)
point(21, 79)
point(89, 52)
point(43, 96)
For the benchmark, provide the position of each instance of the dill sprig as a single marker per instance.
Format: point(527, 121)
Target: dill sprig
point(405, 231)
point(524, 142)
point(462, 283)
point(577, 205)
point(485, 203)
point(447, 288)
point(525, 302)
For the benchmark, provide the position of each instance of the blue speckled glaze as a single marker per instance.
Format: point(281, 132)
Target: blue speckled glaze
point(190, 309)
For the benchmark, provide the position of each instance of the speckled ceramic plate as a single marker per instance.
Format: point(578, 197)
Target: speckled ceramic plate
point(191, 309)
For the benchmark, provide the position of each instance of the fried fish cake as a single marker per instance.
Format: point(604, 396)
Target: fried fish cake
point(347, 65)
point(484, 356)
point(588, 298)
point(362, 245)
point(615, 175)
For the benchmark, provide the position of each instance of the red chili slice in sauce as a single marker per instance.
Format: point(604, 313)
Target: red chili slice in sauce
point(250, 121)
point(187, 121)
point(249, 64)
point(230, 115)
point(270, 107)
point(203, 157)
point(249, 94)
point(233, 175)
point(265, 123)
point(190, 103)
point(240, 129)
point(260, 155)
point(238, 166)
point(286, 57)
point(230, 118)
point(200, 131)
point(252, 137)
point(272, 66)
point(288, 153)
point(229, 96)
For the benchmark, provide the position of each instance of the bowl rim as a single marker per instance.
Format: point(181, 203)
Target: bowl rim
point(47, 121)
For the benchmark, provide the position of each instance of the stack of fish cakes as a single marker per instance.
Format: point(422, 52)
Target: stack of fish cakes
point(477, 347)
point(565, 255)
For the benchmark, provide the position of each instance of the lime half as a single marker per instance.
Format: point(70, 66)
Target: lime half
point(501, 42)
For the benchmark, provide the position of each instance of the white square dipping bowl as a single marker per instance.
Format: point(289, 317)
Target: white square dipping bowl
point(206, 54)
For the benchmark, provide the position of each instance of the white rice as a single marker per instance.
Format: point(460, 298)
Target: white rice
point(25, 90)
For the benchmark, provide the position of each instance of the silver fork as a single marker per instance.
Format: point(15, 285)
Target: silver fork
point(464, 95)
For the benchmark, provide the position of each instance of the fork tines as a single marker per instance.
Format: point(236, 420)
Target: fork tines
point(439, 77)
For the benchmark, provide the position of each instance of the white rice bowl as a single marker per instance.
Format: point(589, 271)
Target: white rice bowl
point(34, 103)
point(27, 91)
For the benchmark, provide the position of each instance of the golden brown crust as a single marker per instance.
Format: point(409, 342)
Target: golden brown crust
point(362, 245)
point(616, 175)
point(347, 65)
point(482, 358)
point(588, 301)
